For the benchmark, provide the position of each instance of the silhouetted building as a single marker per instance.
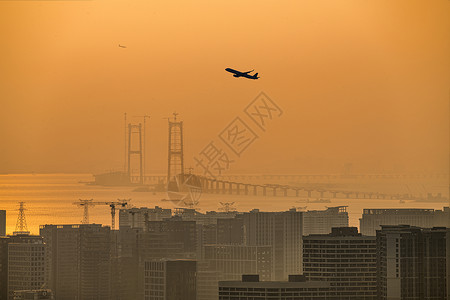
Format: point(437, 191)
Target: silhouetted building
point(127, 284)
point(136, 217)
point(250, 288)
point(171, 238)
point(447, 249)
point(4, 268)
point(372, 219)
point(234, 260)
point(321, 221)
point(229, 262)
point(26, 263)
point(78, 261)
point(2, 223)
point(345, 259)
point(38, 294)
point(411, 262)
point(210, 217)
point(170, 279)
point(283, 232)
point(230, 231)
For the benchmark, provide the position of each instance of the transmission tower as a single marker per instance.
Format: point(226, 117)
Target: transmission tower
point(85, 203)
point(175, 159)
point(21, 225)
point(227, 207)
point(134, 129)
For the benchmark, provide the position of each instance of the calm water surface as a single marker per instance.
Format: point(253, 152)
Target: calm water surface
point(49, 200)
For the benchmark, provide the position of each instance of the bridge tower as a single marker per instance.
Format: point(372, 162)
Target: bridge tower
point(175, 159)
point(133, 149)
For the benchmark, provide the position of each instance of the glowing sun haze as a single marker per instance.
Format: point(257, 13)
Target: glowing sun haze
point(365, 82)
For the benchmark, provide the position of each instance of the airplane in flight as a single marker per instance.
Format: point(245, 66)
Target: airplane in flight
point(242, 74)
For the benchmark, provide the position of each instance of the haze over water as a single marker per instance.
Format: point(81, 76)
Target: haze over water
point(49, 199)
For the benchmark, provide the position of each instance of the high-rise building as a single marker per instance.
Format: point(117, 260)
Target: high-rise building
point(170, 279)
point(412, 262)
point(78, 261)
point(2, 222)
point(4, 268)
point(26, 263)
point(229, 262)
point(344, 258)
point(321, 221)
point(230, 230)
point(283, 232)
point(210, 217)
point(372, 219)
point(171, 236)
point(296, 287)
point(234, 260)
point(127, 284)
point(136, 217)
point(448, 260)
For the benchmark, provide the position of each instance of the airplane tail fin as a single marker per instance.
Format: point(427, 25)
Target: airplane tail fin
point(256, 76)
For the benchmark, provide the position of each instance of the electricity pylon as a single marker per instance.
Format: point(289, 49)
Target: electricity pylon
point(21, 225)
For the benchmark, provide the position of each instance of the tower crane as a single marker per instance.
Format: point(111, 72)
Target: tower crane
point(86, 203)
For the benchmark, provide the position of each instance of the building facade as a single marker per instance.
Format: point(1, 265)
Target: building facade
point(283, 232)
point(321, 221)
point(412, 262)
point(170, 279)
point(345, 259)
point(2, 223)
point(78, 261)
point(136, 217)
point(26, 263)
point(250, 288)
point(229, 262)
point(372, 219)
point(4, 268)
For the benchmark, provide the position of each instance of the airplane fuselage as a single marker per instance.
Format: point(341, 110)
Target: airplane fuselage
point(242, 74)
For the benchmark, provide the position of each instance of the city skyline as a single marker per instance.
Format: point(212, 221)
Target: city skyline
point(224, 150)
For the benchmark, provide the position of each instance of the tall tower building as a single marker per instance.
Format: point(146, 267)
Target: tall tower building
point(372, 219)
point(412, 262)
point(2, 222)
point(170, 279)
point(78, 261)
point(283, 232)
point(321, 221)
point(4, 268)
point(344, 258)
point(26, 263)
point(136, 217)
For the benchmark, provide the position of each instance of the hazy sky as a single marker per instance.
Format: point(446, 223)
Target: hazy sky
point(364, 82)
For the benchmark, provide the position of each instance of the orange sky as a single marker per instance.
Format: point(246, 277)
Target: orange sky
point(365, 82)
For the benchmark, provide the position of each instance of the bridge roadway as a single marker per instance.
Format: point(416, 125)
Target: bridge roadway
point(225, 185)
point(259, 177)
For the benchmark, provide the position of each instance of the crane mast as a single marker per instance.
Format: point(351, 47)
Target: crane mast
point(86, 203)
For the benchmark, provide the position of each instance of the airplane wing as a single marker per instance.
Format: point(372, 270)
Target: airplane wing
point(248, 71)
